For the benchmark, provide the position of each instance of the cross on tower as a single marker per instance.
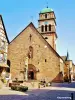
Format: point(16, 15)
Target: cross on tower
point(30, 37)
point(47, 4)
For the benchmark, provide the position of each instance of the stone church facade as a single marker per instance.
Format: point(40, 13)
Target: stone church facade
point(32, 53)
point(38, 46)
point(43, 61)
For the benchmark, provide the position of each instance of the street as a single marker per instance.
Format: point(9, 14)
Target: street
point(58, 91)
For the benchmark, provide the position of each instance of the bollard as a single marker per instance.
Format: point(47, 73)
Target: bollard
point(71, 96)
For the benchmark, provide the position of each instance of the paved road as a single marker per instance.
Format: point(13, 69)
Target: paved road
point(71, 85)
point(46, 95)
point(49, 93)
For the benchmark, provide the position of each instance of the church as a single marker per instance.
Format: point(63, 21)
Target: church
point(32, 54)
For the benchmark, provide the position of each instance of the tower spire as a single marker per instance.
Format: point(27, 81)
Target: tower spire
point(67, 57)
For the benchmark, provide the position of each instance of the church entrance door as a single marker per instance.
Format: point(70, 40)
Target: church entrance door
point(31, 75)
point(31, 72)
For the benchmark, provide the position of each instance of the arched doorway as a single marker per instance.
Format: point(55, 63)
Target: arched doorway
point(31, 72)
point(31, 75)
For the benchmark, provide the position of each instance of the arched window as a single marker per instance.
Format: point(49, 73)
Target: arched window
point(45, 27)
point(42, 28)
point(49, 27)
point(45, 15)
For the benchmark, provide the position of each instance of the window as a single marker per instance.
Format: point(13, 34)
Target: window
point(2, 45)
point(8, 63)
point(5, 58)
point(49, 27)
point(45, 27)
point(1, 58)
point(46, 37)
point(45, 60)
point(42, 28)
point(0, 33)
point(45, 15)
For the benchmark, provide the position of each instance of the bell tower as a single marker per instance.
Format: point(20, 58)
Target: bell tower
point(47, 26)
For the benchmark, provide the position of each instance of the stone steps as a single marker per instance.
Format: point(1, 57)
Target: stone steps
point(31, 84)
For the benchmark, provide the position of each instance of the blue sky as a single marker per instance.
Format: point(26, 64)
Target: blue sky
point(17, 14)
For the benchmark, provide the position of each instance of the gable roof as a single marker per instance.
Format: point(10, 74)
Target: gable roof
point(4, 28)
point(31, 24)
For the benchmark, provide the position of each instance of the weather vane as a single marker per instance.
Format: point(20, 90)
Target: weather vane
point(47, 4)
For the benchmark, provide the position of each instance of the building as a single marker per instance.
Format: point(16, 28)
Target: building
point(70, 72)
point(32, 53)
point(39, 48)
point(3, 48)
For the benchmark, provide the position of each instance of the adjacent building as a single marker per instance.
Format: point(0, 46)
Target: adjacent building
point(3, 48)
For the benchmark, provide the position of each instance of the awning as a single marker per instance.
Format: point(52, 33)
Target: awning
point(4, 65)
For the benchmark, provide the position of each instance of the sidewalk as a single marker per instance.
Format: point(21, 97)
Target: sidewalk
point(8, 91)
